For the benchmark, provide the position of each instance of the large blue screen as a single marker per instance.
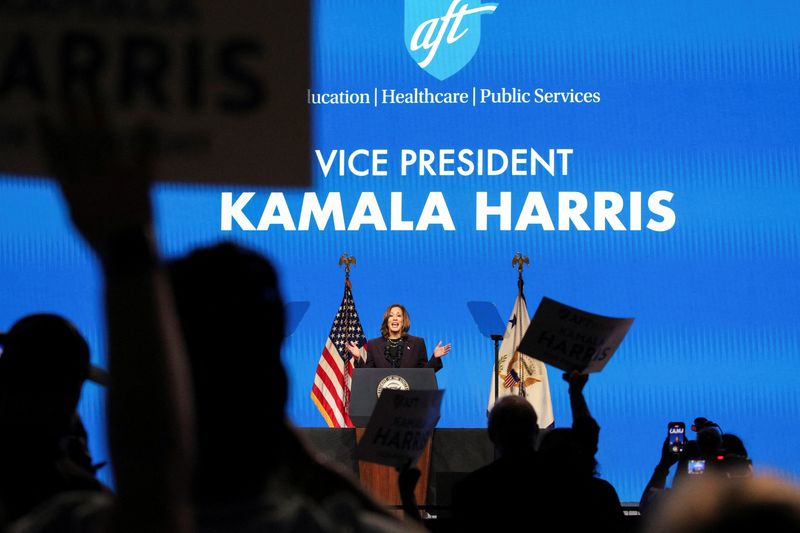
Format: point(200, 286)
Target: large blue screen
point(696, 99)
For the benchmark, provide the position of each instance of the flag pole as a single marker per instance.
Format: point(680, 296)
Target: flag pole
point(347, 260)
point(520, 261)
point(496, 339)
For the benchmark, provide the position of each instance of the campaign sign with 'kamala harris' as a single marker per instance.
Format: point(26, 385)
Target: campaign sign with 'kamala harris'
point(572, 339)
point(400, 427)
point(220, 83)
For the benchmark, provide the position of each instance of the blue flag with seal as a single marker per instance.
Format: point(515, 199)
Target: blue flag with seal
point(442, 36)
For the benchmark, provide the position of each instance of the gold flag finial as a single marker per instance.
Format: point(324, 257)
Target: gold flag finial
point(519, 261)
point(347, 260)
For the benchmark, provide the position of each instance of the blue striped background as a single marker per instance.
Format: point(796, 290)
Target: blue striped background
point(700, 100)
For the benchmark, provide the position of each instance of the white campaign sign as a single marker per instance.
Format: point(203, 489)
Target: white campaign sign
point(223, 83)
point(571, 339)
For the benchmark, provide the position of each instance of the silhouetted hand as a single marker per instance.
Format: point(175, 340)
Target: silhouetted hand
point(668, 457)
point(576, 380)
point(407, 480)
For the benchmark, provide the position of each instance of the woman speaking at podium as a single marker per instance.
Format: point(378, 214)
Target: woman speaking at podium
point(395, 348)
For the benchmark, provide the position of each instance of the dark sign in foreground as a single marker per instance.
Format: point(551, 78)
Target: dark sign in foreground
point(223, 83)
point(400, 427)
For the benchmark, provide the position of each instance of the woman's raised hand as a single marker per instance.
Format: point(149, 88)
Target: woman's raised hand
point(442, 350)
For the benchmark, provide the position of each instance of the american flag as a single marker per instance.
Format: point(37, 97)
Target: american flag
point(331, 390)
point(511, 379)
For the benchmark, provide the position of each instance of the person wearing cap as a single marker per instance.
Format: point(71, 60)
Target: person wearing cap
point(43, 365)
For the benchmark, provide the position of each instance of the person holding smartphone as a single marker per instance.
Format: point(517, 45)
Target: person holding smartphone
point(690, 456)
point(395, 348)
point(658, 481)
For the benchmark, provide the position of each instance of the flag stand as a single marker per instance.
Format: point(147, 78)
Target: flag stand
point(496, 339)
point(489, 323)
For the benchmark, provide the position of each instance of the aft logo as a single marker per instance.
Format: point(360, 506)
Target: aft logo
point(443, 35)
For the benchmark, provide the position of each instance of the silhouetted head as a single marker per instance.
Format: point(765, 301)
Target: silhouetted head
point(715, 504)
point(44, 362)
point(232, 318)
point(721, 455)
point(733, 445)
point(732, 460)
point(562, 449)
point(709, 441)
point(513, 425)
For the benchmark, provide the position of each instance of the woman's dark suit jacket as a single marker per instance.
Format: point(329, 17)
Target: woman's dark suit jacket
point(415, 355)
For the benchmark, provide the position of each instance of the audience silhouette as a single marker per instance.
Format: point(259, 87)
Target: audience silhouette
point(197, 397)
point(44, 363)
point(484, 498)
point(718, 454)
point(576, 498)
point(718, 504)
point(554, 487)
point(253, 472)
point(197, 391)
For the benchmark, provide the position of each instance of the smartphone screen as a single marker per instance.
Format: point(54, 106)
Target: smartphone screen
point(676, 436)
point(696, 466)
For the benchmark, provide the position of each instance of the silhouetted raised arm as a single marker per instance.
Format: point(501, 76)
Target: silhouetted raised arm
point(149, 402)
point(658, 481)
point(407, 482)
point(583, 423)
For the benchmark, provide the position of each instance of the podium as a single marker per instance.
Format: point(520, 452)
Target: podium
point(381, 480)
point(368, 382)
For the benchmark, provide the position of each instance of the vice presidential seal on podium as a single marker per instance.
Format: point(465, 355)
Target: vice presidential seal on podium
point(369, 383)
